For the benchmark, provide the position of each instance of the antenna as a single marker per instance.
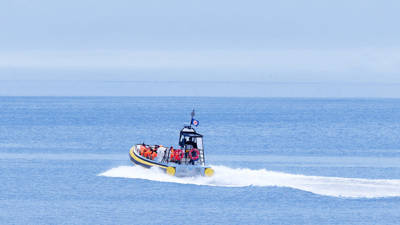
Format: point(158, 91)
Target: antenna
point(191, 120)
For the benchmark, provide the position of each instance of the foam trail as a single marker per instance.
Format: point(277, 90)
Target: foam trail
point(229, 177)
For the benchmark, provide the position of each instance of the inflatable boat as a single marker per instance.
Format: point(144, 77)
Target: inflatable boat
point(187, 160)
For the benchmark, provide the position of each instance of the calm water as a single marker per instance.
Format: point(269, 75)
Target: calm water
point(277, 161)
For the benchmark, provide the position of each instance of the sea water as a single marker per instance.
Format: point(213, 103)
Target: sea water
point(277, 161)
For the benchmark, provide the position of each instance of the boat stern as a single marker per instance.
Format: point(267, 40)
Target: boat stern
point(190, 171)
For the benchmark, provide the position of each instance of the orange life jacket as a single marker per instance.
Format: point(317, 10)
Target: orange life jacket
point(172, 154)
point(142, 149)
point(178, 154)
point(154, 155)
point(147, 153)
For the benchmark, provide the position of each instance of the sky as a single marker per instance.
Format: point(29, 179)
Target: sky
point(200, 48)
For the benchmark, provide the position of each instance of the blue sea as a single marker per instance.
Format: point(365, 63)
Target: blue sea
point(64, 160)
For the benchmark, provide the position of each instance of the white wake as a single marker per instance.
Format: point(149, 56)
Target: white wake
point(229, 177)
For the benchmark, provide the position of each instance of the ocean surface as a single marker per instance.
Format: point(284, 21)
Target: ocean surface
point(64, 160)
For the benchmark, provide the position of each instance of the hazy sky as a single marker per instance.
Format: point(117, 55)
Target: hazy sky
point(206, 48)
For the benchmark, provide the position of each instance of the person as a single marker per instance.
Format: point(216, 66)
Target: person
point(165, 155)
point(193, 155)
point(178, 156)
point(172, 154)
point(153, 155)
point(142, 150)
point(147, 153)
point(191, 143)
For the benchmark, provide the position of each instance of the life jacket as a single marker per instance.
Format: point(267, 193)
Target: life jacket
point(154, 155)
point(142, 150)
point(172, 154)
point(147, 153)
point(178, 154)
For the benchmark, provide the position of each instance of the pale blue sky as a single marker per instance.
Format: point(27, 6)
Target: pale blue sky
point(201, 48)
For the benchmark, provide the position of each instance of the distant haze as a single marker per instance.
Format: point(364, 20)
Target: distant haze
point(200, 48)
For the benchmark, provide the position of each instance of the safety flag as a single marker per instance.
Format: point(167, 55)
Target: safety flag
point(195, 122)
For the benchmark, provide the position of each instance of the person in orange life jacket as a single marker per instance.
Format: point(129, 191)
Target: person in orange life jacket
point(172, 154)
point(142, 149)
point(178, 155)
point(147, 153)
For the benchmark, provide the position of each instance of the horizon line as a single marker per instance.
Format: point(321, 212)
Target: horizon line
point(138, 96)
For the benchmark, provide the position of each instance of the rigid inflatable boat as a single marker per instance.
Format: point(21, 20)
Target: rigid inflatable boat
point(187, 160)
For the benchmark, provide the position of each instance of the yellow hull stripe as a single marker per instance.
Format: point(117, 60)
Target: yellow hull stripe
point(133, 155)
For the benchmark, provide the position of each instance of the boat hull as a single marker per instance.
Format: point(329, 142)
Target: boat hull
point(170, 168)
